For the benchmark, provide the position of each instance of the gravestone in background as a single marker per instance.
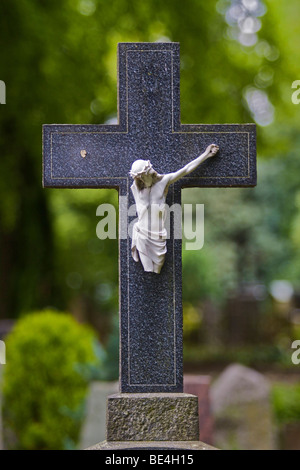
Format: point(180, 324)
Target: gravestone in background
point(94, 427)
point(199, 385)
point(241, 405)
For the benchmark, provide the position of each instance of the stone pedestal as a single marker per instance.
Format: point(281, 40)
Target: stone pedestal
point(152, 421)
point(152, 417)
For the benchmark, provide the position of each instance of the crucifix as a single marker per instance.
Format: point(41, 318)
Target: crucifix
point(101, 156)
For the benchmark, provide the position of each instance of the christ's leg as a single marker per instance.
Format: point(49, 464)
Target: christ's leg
point(146, 262)
point(157, 268)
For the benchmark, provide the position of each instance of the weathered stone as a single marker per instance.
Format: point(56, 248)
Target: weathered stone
point(94, 428)
point(152, 417)
point(152, 445)
point(241, 406)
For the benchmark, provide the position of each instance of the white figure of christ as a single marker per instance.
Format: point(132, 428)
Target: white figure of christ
point(150, 190)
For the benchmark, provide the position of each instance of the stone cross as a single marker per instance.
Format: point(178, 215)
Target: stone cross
point(100, 156)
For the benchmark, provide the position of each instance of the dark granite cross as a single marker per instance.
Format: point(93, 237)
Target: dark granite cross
point(100, 156)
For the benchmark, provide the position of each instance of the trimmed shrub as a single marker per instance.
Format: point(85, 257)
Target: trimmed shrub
point(286, 403)
point(49, 358)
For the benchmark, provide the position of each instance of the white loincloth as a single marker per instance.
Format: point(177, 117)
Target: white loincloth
point(153, 245)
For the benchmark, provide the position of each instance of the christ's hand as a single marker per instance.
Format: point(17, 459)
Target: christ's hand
point(212, 150)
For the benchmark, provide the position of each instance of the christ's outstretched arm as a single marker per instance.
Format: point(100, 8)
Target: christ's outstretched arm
point(191, 166)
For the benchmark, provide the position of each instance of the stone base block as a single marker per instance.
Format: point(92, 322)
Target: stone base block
point(152, 417)
point(153, 445)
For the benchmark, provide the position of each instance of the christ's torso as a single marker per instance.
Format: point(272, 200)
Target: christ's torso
point(150, 206)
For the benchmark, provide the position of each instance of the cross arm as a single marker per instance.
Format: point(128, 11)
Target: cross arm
point(191, 166)
point(91, 156)
point(233, 166)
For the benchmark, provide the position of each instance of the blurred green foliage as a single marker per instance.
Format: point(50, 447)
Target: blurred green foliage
point(286, 403)
point(58, 61)
point(260, 356)
point(49, 362)
point(250, 235)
